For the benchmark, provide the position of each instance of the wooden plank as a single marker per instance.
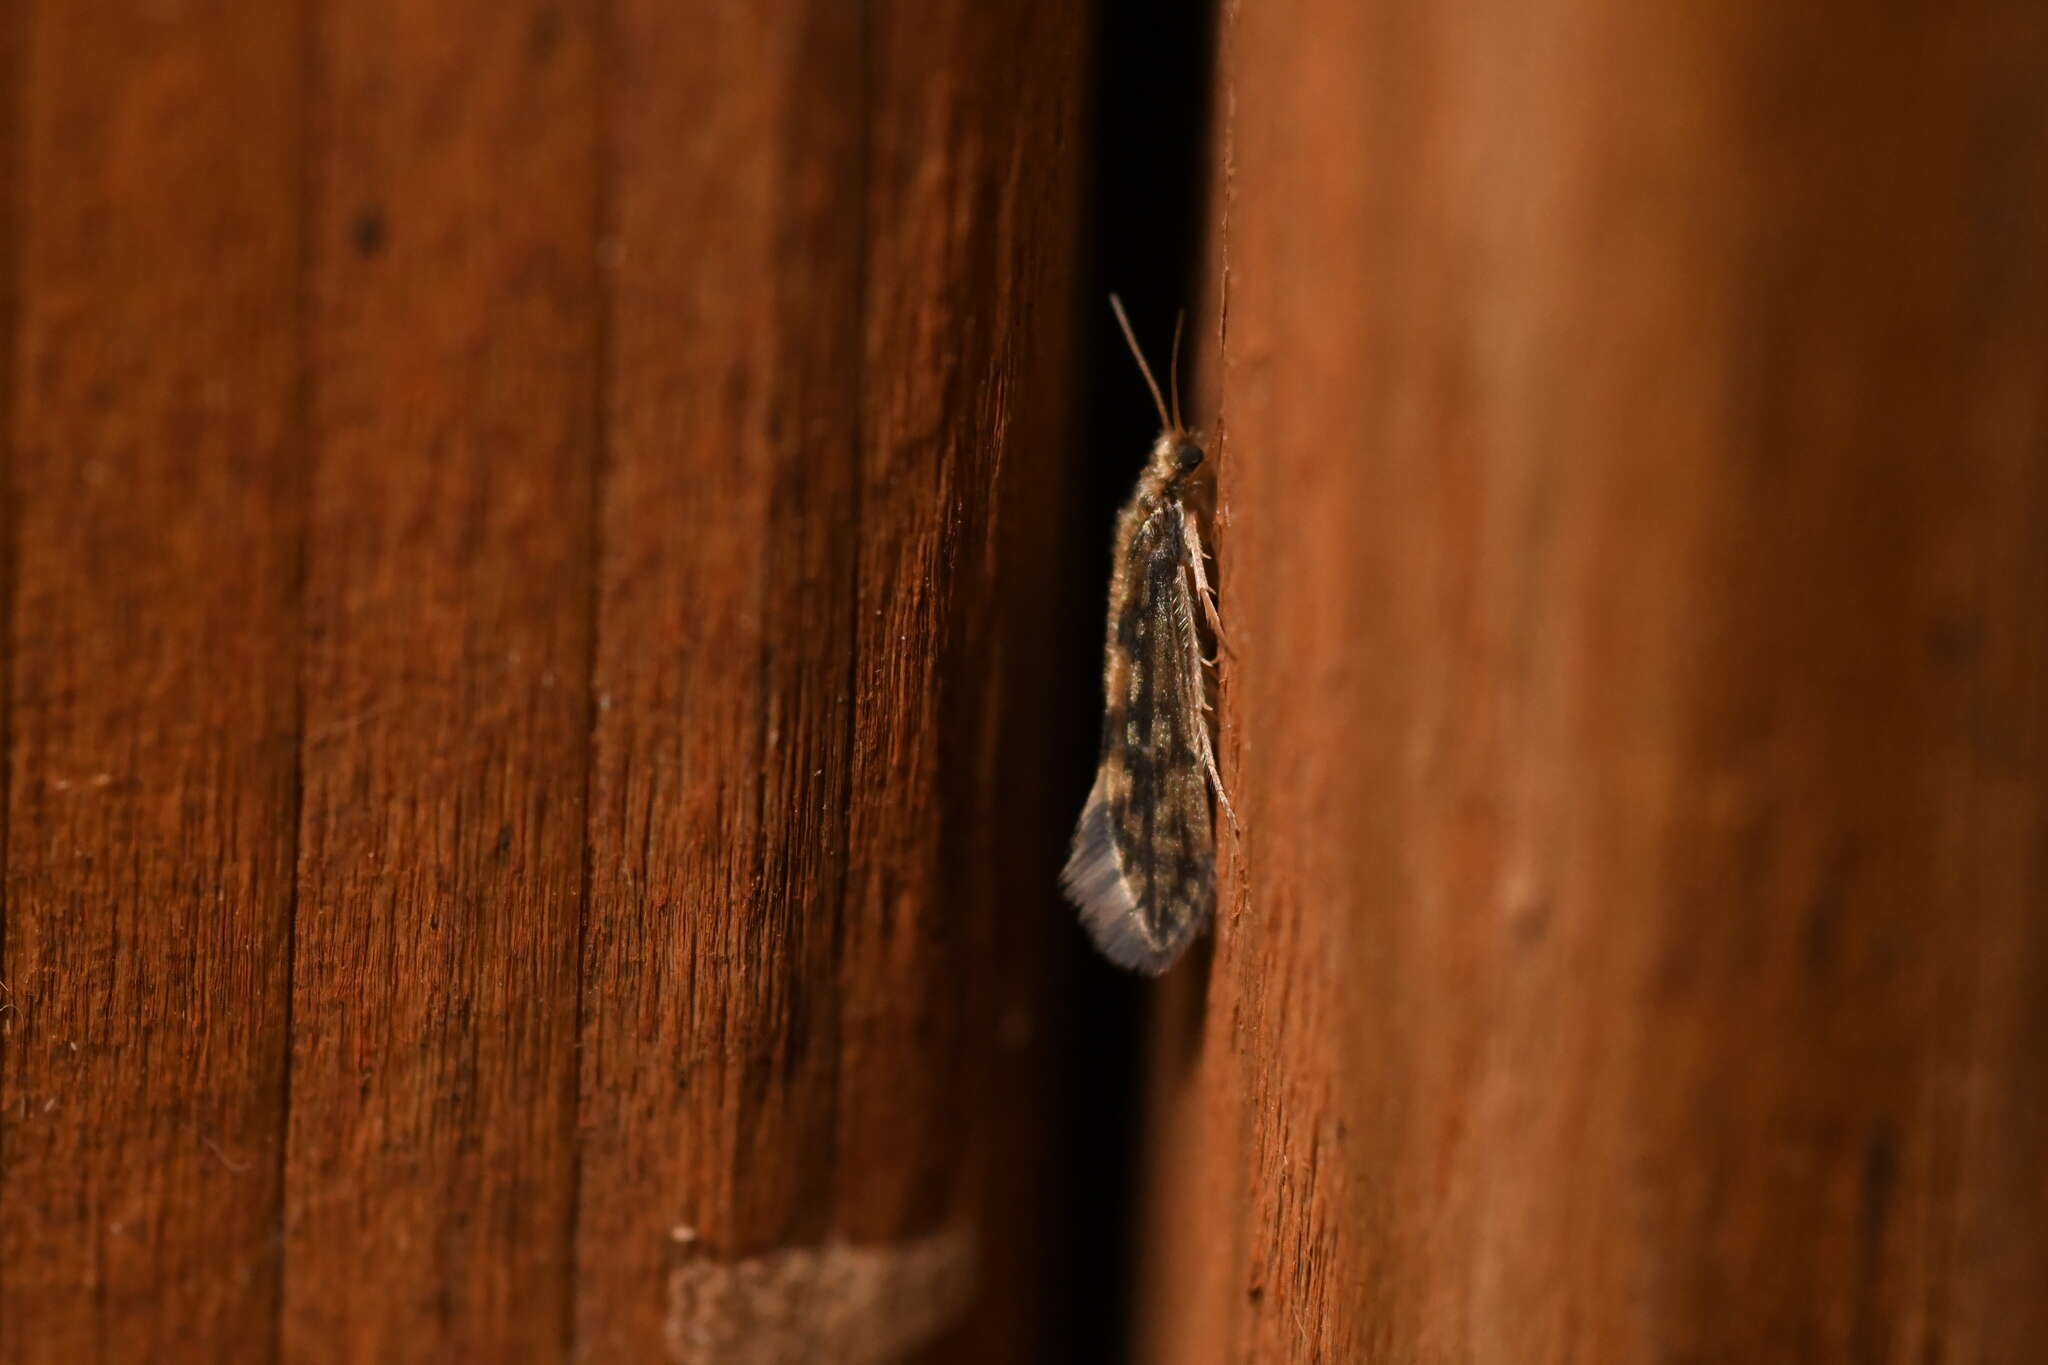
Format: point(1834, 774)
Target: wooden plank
point(152, 655)
point(1636, 483)
point(949, 1117)
point(842, 254)
point(717, 819)
point(943, 297)
point(454, 344)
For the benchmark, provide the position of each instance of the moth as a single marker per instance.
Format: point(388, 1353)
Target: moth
point(1142, 868)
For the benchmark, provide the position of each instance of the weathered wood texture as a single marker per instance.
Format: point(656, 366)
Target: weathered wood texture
point(788, 663)
point(153, 642)
point(513, 515)
point(451, 431)
point(1635, 464)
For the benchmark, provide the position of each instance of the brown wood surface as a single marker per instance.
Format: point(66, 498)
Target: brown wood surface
point(1635, 472)
point(784, 659)
point(724, 659)
point(153, 643)
point(452, 426)
point(513, 511)
point(539, 578)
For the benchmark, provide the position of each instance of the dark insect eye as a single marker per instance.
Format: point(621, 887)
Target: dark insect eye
point(1189, 456)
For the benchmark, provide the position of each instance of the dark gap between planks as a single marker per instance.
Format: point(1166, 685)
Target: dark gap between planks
point(1143, 237)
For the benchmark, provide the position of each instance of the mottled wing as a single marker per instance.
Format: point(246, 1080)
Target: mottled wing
point(1142, 869)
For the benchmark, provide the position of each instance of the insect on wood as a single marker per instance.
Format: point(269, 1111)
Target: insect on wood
point(1142, 869)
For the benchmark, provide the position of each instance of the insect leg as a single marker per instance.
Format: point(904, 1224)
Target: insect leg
point(1184, 619)
point(1195, 554)
point(1201, 729)
point(1215, 778)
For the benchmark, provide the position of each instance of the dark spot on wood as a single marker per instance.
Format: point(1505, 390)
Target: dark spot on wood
point(368, 232)
point(546, 34)
point(1826, 912)
point(797, 1034)
point(1530, 924)
point(1880, 1177)
point(1873, 1316)
point(1953, 640)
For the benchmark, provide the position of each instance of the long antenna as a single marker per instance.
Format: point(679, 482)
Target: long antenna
point(1144, 369)
point(1174, 367)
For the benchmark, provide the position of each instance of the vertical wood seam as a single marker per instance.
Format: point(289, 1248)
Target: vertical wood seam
point(1220, 190)
point(13, 65)
point(604, 229)
point(855, 448)
point(307, 194)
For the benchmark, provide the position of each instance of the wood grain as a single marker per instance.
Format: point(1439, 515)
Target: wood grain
point(718, 803)
point(957, 236)
point(512, 813)
point(453, 344)
point(827, 296)
point(1636, 482)
point(152, 659)
point(974, 163)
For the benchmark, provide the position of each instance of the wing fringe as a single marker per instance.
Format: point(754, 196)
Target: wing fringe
point(1094, 881)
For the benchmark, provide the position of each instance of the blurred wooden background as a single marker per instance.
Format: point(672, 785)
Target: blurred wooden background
point(544, 555)
point(1635, 467)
